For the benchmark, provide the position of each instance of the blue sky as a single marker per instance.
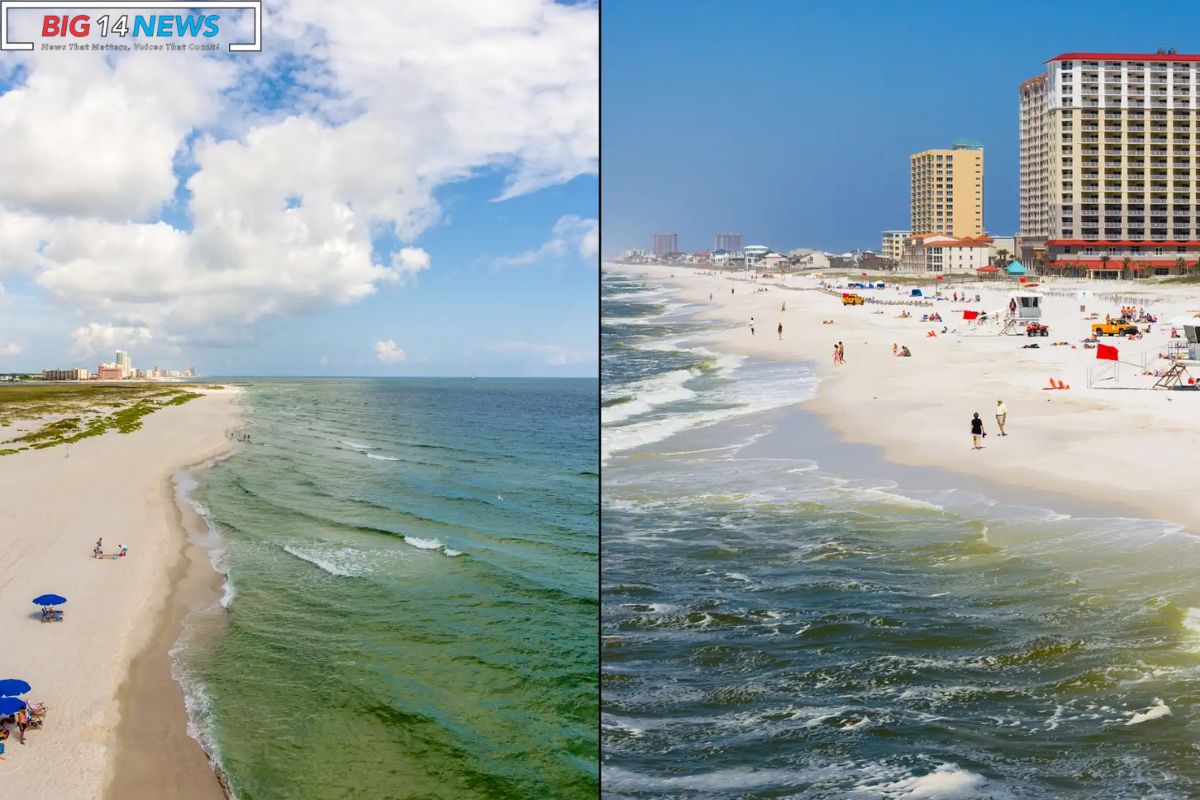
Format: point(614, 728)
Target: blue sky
point(792, 122)
point(408, 190)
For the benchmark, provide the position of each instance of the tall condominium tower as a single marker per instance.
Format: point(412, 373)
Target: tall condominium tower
point(729, 241)
point(1108, 162)
point(947, 191)
point(665, 243)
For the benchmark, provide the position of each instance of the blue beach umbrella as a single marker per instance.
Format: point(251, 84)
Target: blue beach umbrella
point(50, 600)
point(12, 686)
point(10, 705)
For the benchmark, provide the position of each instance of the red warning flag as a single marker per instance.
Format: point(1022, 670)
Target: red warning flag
point(1106, 352)
point(970, 315)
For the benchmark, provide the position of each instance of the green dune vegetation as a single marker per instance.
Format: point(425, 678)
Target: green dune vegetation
point(46, 415)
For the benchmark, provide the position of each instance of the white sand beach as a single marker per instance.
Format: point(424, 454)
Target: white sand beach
point(54, 504)
point(1118, 442)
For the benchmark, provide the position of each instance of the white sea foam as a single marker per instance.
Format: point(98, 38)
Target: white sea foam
point(424, 544)
point(739, 779)
point(382, 458)
point(431, 544)
point(1156, 711)
point(947, 782)
point(737, 389)
point(345, 562)
point(355, 445)
point(649, 393)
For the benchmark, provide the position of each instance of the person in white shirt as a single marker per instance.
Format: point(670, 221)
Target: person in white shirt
point(1001, 416)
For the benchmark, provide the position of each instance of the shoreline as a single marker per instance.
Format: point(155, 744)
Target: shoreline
point(156, 755)
point(905, 415)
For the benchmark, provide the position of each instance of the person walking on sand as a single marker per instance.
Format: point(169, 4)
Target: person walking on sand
point(895, 349)
point(752, 326)
point(977, 433)
point(836, 354)
point(784, 306)
point(1001, 416)
point(780, 331)
point(841, 353)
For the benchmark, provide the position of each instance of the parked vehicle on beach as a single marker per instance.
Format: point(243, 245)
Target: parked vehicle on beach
point(1117, 328)
point(851, 300)
point(1036, 329)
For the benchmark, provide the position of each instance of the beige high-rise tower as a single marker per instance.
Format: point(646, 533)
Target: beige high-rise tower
point(947, 191)
point(1109, 169)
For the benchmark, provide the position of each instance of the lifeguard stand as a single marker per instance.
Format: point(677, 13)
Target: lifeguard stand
point(1029, 309)
point(1178, 375)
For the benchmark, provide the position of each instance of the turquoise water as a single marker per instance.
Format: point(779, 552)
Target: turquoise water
point(411, 591)
point(782, 618)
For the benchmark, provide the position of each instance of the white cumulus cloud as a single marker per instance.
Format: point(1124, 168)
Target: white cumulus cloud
point(387, 352)
point(277, 210)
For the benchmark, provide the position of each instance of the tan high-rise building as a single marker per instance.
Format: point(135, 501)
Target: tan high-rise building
point(1109, 163)
point(947, 191)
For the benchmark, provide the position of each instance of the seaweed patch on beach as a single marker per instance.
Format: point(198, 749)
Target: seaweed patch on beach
point(54, 415)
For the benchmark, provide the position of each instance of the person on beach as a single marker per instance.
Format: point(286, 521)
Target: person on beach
point(841, 353)
point(710, 297)
point(977, 432)
point(895, 349)
point(98, 550)
point(784, 306)
point(752, 326)
point(22, 724)
point(1001, 416)
point(780, 331)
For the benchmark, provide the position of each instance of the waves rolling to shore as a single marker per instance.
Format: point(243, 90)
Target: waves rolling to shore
point(411, 592)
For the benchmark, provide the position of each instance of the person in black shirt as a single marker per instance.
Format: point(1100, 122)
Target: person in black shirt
point(977, 433)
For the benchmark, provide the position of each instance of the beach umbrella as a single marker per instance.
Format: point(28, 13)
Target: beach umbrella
point(10, 705)
point(50, 600)
point(12, 686)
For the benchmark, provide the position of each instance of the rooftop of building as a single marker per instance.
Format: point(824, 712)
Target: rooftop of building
point(1161, 55)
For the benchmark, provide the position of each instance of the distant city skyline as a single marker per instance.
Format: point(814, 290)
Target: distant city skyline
point(819, 153)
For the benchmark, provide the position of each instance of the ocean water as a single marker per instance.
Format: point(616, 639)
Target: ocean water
point(780, 619)
point(411, 592)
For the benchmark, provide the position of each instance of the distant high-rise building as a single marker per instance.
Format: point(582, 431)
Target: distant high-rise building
point(1108, 164)
point(947, 191)
point(665, 243)
point(893, 245)
point(125, 363)
point(730, 242)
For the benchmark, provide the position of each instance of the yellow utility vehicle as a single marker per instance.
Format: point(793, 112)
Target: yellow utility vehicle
point(851, 300)
point(1117, 327)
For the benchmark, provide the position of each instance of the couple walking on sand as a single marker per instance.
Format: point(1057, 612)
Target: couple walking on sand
point(839, 354)
point(977, 431)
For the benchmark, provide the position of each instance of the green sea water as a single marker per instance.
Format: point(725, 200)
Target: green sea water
point(412, 592)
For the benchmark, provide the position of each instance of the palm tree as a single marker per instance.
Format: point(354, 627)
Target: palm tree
point(1181, 264)
point(1104, 261)
point(1125, 262)
point(1001, 257)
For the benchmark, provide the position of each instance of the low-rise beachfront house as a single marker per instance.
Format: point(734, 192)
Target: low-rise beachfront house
point(946, 255)
point(1081, 258)
point(807, 258)
point(720, 257)
point(754, 253)
point(773, 261)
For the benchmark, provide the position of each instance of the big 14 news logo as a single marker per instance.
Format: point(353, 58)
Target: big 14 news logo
point(152, 25)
